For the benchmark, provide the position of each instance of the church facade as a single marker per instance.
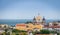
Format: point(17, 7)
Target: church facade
point(36, 25)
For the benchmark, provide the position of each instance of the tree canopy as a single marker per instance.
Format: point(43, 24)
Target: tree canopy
point(44, 31)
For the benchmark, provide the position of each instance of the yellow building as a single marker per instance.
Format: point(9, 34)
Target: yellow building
point(35, 25)
point(29, 26)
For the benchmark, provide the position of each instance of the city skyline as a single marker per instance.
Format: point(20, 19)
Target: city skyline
point(27, 9)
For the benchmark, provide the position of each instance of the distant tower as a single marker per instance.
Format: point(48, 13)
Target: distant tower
point(34, 20)
point(43, 20)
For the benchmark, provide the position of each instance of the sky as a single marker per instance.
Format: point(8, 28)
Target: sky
point(27, 9)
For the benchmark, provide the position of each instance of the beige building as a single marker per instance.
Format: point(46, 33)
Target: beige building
point(3, 26)
point(36, 25)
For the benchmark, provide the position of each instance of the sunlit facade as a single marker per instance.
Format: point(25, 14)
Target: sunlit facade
point(36, 25)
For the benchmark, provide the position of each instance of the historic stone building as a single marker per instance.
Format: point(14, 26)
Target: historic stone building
point(36, 25)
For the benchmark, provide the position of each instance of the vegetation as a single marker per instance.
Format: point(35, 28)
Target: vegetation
point(22, 32)
point(35, 33)
point(44, 31)
point(18, 32)
point(15, 30)
point(6, 31)
point(28, 22)
point(53, 32)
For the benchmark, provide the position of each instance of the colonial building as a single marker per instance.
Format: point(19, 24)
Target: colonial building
point(36, 25)
point(53, 26)
point(28, 27)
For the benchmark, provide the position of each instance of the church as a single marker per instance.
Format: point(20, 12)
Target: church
point(36, 25)
point(39, 20)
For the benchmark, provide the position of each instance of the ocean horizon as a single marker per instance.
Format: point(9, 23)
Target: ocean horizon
point(16, 21)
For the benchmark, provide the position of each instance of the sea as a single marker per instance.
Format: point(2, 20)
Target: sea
point(13, 22)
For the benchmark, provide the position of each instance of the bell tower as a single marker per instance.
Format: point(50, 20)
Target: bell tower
point(43, 20)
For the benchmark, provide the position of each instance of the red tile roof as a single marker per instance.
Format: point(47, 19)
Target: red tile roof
point(46, 26)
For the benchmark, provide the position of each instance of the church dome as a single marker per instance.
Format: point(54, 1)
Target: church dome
point(38, 18)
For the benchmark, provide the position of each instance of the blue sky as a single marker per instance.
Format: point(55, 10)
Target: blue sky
point(27, 9)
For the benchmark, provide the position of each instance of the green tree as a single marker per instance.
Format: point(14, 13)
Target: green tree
point(44, 31)
point(15, 30)
point(53, 32)
point(6, 31)
point(24, 33)
point(18, 32)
